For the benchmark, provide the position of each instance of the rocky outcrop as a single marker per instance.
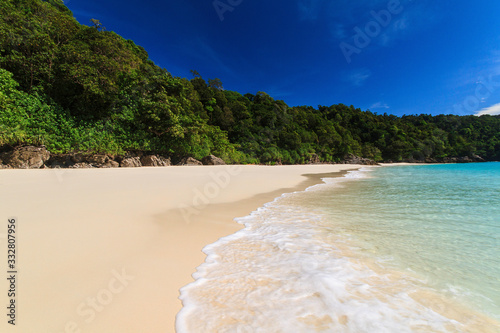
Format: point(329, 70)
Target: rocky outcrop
point(131, 162)
point(212, 160)
point(25, 157)
point(189, 161)
point(110, 164)
point(463, 159)
point(155, 161)
point(353, 159)
point(60, 161)
point(80, 160)
point(100, 161)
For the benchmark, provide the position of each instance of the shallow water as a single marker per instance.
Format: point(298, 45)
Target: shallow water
point(396, 249)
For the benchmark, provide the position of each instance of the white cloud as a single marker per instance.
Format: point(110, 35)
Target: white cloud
point(379, 105)
point(358, 77)
point(493, 110)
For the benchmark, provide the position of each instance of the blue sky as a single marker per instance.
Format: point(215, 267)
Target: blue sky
point(399, 57)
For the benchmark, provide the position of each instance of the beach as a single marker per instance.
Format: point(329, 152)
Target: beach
point(107, 250)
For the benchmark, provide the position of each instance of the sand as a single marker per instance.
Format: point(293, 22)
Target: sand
point(107, 250)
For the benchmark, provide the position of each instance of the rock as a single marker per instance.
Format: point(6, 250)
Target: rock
point(212, 160)
point(26, 157)
point(165, 161)
point(131, 162)
point(98, 159)
point(101, 161)
point(155, 161)
point(314, 159)
point(110, 164)
point(353, 159)
point(60, 161)
point(81, 165)
point(477, 158)
point(78, 158)
point(189, 161)
point(453, 159)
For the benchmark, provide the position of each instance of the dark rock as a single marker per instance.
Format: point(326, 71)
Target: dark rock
point(60, 161)
point(212, 160)
point(353, 159)
point(82, 161)
point(131, 162)
point(165, 161)
point(110, 164)
point(26, 157)
point(314, 159)
point(453, 159)
point(98, 159)
point(189, 161)
point(136, 153)
point(155, 161)
point(78, 158)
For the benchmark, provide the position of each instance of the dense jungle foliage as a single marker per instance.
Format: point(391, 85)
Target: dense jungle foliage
point(73, 87)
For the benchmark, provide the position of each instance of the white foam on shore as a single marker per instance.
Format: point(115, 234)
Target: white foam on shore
point(287, 272)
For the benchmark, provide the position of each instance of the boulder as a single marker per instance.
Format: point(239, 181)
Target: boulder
point(478, 158)
point(26, 157)
point(78, 158)
point(60, 161)
point(131, 162)
point(110, 164)
point(155, 161)
point(98, 159)
point(165, 161)
point(353, 159)
point(189, 161)
point(102, 161)
point(81, 165)
point(212, 160)
point(314, 159)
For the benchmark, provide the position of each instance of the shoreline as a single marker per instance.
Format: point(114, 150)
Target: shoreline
point(112, 247)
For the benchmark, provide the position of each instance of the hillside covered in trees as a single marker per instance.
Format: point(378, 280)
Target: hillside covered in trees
point(77, 88)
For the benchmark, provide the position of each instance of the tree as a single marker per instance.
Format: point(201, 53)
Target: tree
point(97, 25)
point(215, 84)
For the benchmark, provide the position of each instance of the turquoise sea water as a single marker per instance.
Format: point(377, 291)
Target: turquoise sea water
point(384, 249)
point(440, 221)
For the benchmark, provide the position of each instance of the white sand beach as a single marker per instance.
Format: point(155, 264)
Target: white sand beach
point(107, 250)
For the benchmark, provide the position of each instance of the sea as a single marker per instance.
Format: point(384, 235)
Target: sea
point(413, 248)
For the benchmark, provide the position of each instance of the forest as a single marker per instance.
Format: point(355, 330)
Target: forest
point(78, 88)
